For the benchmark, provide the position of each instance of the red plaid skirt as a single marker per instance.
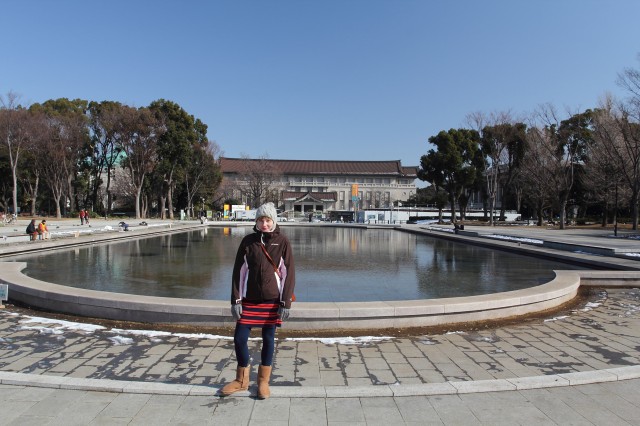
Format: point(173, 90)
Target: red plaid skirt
point(260, 314)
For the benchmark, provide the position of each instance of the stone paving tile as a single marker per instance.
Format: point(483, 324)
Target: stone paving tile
point(378, 363)
point(272, 409)
point(68, 365)
point(450, 410)
point(579, 341)
point(381, 411)
point(403, 370)
point(159, 410)
point(308, 412)
point(125, 406)
point(332, 378)
point(344, 410)
point(394, 358)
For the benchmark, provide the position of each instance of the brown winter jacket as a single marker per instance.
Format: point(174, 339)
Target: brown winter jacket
point(254, 278)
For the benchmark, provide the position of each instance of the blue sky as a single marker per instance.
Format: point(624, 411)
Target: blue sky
point(322, 80)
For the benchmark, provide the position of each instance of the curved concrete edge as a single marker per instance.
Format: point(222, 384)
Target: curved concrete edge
point(305, 316)
point(69, 238)
point(427, 389)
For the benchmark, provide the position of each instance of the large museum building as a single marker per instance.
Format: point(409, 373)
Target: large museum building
point(323, 186)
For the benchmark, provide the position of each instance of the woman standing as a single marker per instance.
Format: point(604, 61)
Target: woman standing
point(261, 294)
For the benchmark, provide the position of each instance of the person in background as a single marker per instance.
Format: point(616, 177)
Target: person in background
point(262, 287)
point(86, 216)
point(81, 216)
point(43, 230)
point(32, 230)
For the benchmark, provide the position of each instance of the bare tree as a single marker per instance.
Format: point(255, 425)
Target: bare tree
point(561, 148)
point(629, 80)
point(258, 180)
point(125, 191)
point(618, 143)
point(34, 158)
point(203, 175)
point(627, 119)
point(499, 136)
point(537, 170)
point(14, 136)
point(105, 127)
point(141, 130)
point(61, 150)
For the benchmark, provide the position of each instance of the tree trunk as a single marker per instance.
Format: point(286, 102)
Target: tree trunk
point(634, 209)
point(58, 210)
point(14, 192)
point(563, 214)
point(138, 191)
point(170, 202)
point(72, 199)
point(163, 202)
point(35, 195)
point(540, 214)
point(492, 206)
point(452, 202)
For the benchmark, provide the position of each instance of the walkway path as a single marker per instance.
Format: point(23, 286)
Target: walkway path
point(581, 366)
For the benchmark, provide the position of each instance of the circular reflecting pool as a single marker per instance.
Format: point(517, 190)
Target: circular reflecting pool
point(332, 265)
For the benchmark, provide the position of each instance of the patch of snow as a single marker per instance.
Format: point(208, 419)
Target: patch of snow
point(517, 239)
point(556, 318)
point(120, 340)
point(208, 336)
point(341, 340)
point(63, 325)
point(146, 333)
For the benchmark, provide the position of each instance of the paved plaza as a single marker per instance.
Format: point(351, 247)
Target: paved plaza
point(578, 365)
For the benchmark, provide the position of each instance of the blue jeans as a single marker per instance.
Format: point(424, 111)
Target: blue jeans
point(241, 339)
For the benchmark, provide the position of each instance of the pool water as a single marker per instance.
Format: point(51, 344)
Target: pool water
point(333, 264)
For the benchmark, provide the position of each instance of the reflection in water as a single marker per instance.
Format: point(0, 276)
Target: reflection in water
point(332, 264)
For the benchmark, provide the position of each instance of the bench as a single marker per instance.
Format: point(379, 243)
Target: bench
point(15, 238)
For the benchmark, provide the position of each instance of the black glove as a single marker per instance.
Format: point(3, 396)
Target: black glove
point(283, 313)
point(236, 311)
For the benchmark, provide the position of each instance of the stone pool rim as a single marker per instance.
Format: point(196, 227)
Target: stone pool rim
point(312, 315)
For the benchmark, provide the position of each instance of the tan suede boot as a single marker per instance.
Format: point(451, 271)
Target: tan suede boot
point(239, 384)
point(264, 375)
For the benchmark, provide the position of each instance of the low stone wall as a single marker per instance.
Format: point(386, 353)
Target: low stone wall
point(305, 316)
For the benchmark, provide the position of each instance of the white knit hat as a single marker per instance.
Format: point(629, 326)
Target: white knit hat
point(268, 210)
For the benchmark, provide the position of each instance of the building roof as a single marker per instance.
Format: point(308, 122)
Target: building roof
point(323, 167)
point(317, 196)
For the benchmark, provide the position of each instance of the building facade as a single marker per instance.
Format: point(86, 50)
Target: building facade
point(319, 186)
